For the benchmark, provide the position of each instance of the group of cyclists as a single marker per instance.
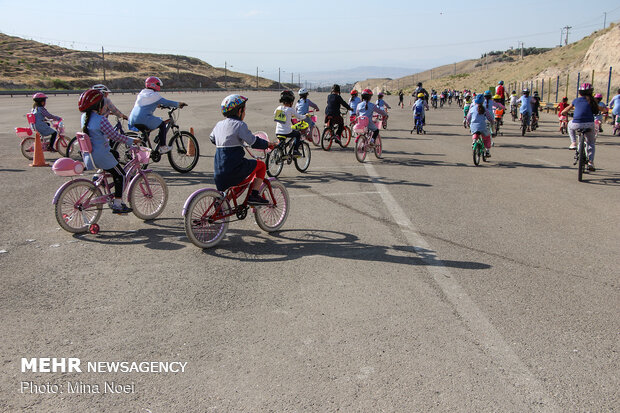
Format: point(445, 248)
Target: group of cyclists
point(482, 113)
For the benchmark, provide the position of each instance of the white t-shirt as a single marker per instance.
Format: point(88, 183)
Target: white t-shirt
point(284, 128)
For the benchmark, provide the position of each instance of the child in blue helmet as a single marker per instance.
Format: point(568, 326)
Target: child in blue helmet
point(477, 120)
point(230, 165)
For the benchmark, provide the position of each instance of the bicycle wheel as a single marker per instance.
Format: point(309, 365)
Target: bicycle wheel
point(147, 201)
point(378, 147)
point(200, 228)
point(27, 147)
point(345, 139)
point(70, 214)
point(271, 217)
point(477, 152)
point(73, 150)
point(582, 158)
point(523, 126)
point(384, 123)
point(62, 144)
point(316, 135)
point(184, 153)
point(360, 148)
point(274, 162)
point(303, 162)
point(326, 139)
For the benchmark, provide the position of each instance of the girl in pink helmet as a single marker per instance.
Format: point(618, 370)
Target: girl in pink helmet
point(141, 116)
point(583, 118)
point(41, 115)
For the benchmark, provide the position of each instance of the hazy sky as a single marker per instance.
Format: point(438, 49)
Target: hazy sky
point(305, 36)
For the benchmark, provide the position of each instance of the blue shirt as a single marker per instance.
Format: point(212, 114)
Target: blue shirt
point(418, 107)
point(615, 103)
point(526, 105)
point(353, 102)
point(478, 121)
point(583, 111)
point(146, 103)
point(366, 110)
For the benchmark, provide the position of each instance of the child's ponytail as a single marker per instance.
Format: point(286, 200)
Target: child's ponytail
point(481, 109)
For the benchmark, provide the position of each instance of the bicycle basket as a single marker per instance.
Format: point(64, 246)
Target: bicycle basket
point(144, 155)
point(361, 125)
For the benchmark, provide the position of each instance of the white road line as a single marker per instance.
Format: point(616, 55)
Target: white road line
point(491, 341)
point(335, 194)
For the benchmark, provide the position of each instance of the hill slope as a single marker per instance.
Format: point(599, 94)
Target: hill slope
point(596, 52)
point(27, 64)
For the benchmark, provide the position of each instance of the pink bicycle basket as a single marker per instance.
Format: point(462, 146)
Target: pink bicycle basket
point(361, 125)
point(23, 132)
point(67, 167)
point(144, 155)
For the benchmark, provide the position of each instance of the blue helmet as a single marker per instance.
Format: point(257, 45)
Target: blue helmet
point(479, 99)
point(501, 82)
point(487, 93)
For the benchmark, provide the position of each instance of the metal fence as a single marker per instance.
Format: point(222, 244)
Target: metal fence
point(553, 89)
point(12, 93)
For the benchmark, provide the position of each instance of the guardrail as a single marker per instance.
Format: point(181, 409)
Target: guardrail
point(12, 93)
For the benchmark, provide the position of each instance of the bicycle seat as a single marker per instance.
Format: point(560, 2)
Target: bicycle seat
point(142, 128)
point(281, 137)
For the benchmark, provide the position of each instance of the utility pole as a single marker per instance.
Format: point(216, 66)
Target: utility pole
point(605, 20)
point(292, 81)
point(279, 84)
point(225, 75)
point(103, 62)
point(298, 79)
point(566, 39)
point(256, 77)
point(561, 35)
point(178, 77)
point(520, 42)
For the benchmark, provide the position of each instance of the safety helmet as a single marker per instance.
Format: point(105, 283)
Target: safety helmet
point(526, 91)
point(420, 95)
point(102, 88)
point(419, 84)
point(303, 91)
point(287, 96)
point(586, 86)
point(564, 98)
point(536, 93)
point(154, 83)
point(336, 88)
point(39, 95)
point(514, 92)
point(487, 93)
point(89, 99)
point(232, 102)
point(501, 82)
point(380, 95)
point(598, 96)
point(354, 92)
point(479, 100)
point(496, 96)
point(367, 92)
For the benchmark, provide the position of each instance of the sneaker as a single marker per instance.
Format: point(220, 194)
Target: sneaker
point(573, 146)
point(488, 154)
point(591, 167)
point(257, 200)
point(164, 149)
point(371, 142)
point(122, 209)
point(297, 154)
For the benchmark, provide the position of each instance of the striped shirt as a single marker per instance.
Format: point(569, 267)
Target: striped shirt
point(109, 131)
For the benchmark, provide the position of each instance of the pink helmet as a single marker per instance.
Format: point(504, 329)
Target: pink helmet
point(598, 96)
point(39, 95)
point(154, 83)
point(586, 86)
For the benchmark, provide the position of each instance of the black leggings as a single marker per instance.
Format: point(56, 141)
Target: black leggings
point(296, 135)
point(53, 139)
point(163, 129)
point(118, 176)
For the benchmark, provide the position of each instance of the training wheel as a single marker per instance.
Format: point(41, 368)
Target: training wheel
point(93, 228)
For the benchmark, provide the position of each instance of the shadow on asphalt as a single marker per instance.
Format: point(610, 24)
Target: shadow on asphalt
point(257, 246)
point(303, 181)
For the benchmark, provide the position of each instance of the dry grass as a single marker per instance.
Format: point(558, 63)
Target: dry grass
point(26, 64)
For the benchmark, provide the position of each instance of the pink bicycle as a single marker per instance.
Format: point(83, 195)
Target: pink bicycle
point(27, 136)
point(311, 134)
point(79, 202)
point(363, 143)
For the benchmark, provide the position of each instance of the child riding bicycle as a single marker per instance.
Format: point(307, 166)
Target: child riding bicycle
point(283, 116)
point(142, 113)
point(332, 110)
point(367, 108)
point(108, 106)
point(230, 166)
point(303, 106)
point(100, 131)
point(41, 114)
point(585, 108)
point(477, 120)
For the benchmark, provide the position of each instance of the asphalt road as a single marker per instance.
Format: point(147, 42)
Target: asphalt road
point(417, 282)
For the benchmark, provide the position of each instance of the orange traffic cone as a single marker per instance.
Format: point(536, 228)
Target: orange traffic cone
point(38, 159)
point(191, 149)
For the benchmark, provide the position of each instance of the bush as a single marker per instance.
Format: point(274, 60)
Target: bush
point(60, 84)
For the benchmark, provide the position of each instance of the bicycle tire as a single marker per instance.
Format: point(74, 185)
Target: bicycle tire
point(523, 127)
point(69, 213)
point(345, 139)
point(360, 148)
point(199, 230)
point(327, 139)
point(476, 154)
point(582, 158)
point(181, 157)
point(27, 148)
point(302, 163)
point(271, 217)
point(378, 147)
point(62, 144)
point(73, 150)
point(274, 162)
point(148, 203)
point(316, 135)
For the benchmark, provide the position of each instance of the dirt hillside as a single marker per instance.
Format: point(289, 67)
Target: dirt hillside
point(27, 64)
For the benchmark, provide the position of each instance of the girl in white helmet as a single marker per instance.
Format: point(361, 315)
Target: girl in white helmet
point(303, 106)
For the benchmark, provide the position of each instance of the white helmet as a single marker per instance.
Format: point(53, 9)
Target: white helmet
point(102, 88)
point(303, 91)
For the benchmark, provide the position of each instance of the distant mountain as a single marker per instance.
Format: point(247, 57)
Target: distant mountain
point(355, 74)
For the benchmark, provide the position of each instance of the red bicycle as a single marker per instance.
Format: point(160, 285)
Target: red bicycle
point(207, 211)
